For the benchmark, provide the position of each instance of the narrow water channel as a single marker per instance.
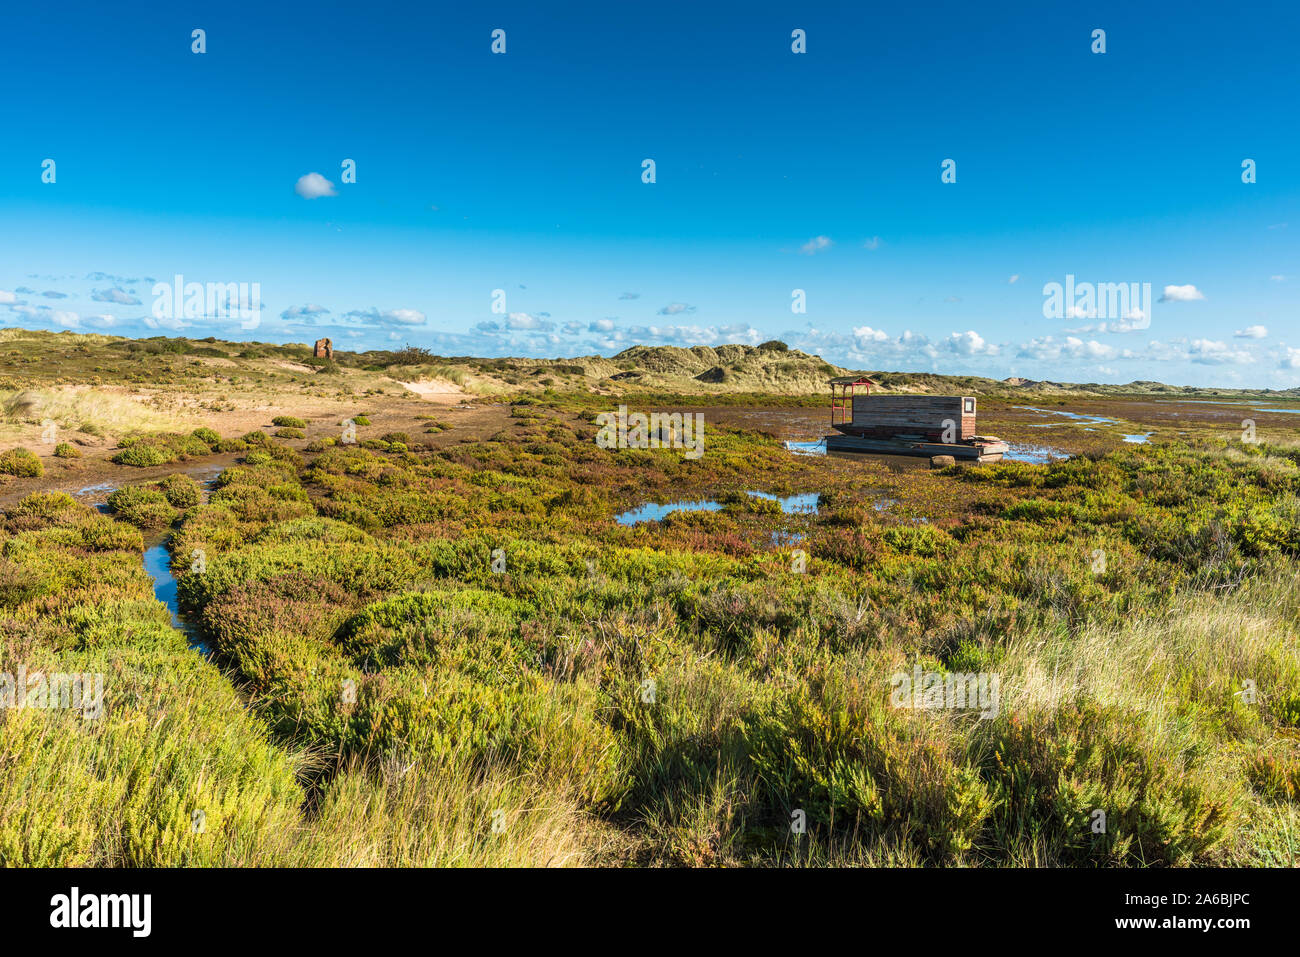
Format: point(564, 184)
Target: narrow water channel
point(158, 563)
point(157, 558)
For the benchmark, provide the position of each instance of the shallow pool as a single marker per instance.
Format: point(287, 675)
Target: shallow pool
point(804, 503)
point(1033, 454)
point(1074, 416)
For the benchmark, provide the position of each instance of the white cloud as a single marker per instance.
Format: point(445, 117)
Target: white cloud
point(1291, 360)
point(676, 308)
point(116, 294)
point(1278, 278)
point(815, 245)
point(1212, 352)
point(1252, 332)
point(970, 343)
point(1013, 279)
point(167, 323)
point(407, 317)
point(684, 336)
point(309, 311)
point(522, 320)
point(601, 325)
point(872, 243)
point(867, 334)
point(386, 317)
point(7, 298)
point(1049, 348)
point(1092, 349)
point(1187, 293)
point(1134, 321)
point(314, 186)
point(55, 317)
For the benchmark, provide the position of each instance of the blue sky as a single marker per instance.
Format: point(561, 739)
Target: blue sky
point(775, 171)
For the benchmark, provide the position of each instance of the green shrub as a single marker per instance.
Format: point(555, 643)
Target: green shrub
point(1055, 769)
point(66, 450)
point(290, 433)
point(144, 455)
point(180, 490)
point(143, 507)
point(289, 422)
point(21, 462)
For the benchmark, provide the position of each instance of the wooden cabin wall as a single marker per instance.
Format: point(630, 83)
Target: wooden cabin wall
point(904, 414)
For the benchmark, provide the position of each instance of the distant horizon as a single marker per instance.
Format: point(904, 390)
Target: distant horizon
point(878, 370)
point(708, 175)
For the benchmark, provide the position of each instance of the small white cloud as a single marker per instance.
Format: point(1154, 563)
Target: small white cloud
point(970, 343)
point(815, 245)
point(314, 186)
point(872, 243)
point(1213, 352)
point(1048, 348)
point(867, 334)
point(675, 308)
point(1252, 332)
point(376, 317)
point(116, 294)
point(1188, 293)
point(1291, 360)
point(57, 317)
point(1013, 279)
point(601, 325)
point(309, 311)
point(7, 298)
point(1278, 278)
point(166, 323)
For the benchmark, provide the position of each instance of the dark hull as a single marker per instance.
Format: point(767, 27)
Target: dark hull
point(920, 447)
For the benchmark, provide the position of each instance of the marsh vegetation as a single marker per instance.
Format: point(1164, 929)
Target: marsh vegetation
point(432, 648)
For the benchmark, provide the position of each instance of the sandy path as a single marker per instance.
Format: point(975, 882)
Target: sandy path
point(441, 391)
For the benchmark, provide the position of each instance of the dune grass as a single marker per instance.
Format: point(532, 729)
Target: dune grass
point(73, 408)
